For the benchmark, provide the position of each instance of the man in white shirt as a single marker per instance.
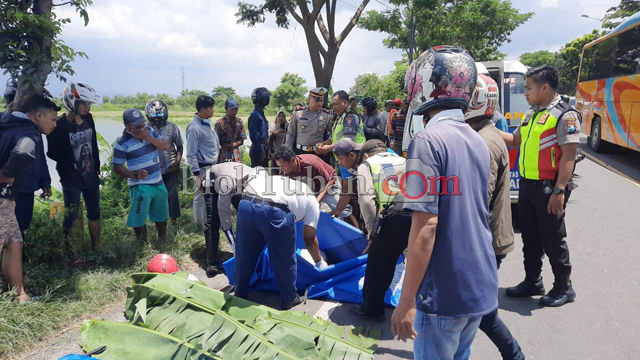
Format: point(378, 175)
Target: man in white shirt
point(267, 214)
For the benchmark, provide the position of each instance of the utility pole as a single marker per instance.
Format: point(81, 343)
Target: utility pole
point(413, 35)
point(183, 77)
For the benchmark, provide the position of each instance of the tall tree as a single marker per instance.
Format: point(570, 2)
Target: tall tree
point(480, 26)
point(30, 44)
point(290, 90)
point(381, 88)
point(569, 62)
point(538, 58)
point(323, 49)
point(223, 92)
point(615, 15)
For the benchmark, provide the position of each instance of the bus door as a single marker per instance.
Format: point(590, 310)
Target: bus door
point(497, 75)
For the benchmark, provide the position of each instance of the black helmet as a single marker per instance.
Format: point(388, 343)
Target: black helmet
point(156, 111)
point(10, 91)
point(261, 96)
point(369, 103)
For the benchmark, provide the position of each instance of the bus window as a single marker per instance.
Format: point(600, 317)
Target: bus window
point(627, 60)
point(517, 102)
point(597, 60)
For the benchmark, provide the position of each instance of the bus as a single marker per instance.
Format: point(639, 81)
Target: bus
point(608, 89)
point(510, 76)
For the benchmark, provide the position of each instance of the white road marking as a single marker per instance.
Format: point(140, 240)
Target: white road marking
point(324, 310)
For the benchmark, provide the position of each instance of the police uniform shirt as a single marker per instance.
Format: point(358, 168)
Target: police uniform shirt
point(295, 194)
point(568, 128)
point(308, 128)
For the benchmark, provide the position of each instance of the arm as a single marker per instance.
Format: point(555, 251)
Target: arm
point(292, 132)
point(193, 141)
point(4, 178)
point(94, 144)
point(126, 173)
point(512, 140)
point(55, 140)
point(422, 238)
point(254, 129)
point(45, 177)
point(366, 200)
point(344, 200)
point(21, 155)
point(153, 138)
point(565, 170)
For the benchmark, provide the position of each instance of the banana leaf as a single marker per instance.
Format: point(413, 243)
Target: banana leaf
point(123, 341)
point(331, 340)
point(214, 331)
point(104, 148)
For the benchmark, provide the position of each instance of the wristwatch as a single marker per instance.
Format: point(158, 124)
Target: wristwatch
point(558, 191)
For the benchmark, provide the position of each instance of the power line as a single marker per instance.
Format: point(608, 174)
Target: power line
point(346, 3)
point(385, 5)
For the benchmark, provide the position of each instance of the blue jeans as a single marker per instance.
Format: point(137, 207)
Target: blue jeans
point(259, 224)
point(444, 337)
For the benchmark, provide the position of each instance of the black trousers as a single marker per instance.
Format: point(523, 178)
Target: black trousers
point(498, 333)
point(381, 263)
point(211, 225)
point(24, 210)
point(542, 232)
point(171, 183)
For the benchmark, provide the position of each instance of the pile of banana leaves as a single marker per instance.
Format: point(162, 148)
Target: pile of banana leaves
point(171, 317)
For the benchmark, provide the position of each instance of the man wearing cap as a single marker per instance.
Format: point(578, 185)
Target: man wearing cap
point(267, 214)
point(230, 132)
point(386, 224)
point(346, 152)
point(346, 123)
point(310, 126)
point(138, 148)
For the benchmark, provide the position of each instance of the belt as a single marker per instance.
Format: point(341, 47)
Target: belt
point(305, 148)
point(265, 202)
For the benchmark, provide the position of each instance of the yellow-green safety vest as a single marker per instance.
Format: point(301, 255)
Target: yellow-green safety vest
point(337, 132)
point(387, 171)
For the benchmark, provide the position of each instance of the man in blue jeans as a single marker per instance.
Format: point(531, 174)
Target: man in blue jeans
point(451, 279)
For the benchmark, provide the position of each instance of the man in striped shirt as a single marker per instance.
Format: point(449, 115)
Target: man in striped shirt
point(397, 128)
point(138, 148)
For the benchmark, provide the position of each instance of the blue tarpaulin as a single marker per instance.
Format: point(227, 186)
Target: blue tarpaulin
point(343, 245)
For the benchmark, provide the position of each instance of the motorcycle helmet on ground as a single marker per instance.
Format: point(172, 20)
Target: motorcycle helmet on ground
point(10, 90)
point(162, 263)
point(260, 96)
point(157, 112)
point(74, 92)
point(485, 98)
point(441, 77)
point(370, 104)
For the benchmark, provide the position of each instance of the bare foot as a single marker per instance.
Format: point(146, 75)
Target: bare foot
point(23, 297)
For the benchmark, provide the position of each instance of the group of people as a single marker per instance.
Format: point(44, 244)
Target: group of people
point(445, 202)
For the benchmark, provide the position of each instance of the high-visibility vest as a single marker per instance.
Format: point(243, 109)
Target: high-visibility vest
point(387, 171)
point(337, 132)
point(539, 150)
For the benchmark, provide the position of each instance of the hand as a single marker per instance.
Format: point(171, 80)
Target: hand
point(46, 193)
point(366, 250)
point(556, 204)
point(402, 320)
point(141, 133)
point(392, 145)
point(175, 167)
point(329, 183)
point(263, 156)
point(335, 214)
point(140, 174)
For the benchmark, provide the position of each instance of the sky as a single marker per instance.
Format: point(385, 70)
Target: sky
point(142, 45)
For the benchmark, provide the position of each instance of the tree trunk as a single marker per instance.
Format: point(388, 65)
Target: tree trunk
point(40, 69)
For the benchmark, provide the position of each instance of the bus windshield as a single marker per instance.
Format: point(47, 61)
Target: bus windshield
point(518, 104)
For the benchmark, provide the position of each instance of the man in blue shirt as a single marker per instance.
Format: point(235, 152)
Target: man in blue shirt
point(138, 148)
point(259, 128)
point(451, 279)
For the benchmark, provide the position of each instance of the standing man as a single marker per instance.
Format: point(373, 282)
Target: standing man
point(310, 126)
point(396, 135)
point(548, 138)
point(397, 103)
point(259, 128)
point(73, 145)
point(158, 114)
point(34, 176)
point(230, 132)
point(203, 149)
point(480, 117)
point(451, 279)
point(346, 123)
point(20, 134)
point(269, 209)
point(138, 148)
point(375, 126)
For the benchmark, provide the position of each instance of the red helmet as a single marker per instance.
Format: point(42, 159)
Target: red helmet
point(162, 263)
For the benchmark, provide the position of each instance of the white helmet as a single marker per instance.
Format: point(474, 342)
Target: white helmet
point(484, 99)
point(79, 92)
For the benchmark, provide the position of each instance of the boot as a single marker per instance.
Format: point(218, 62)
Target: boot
point(529, 287)
point(212, 261)
point(561, 293)
point(295, 302)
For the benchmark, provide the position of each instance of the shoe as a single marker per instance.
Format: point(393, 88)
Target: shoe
point(212, 270)
point(359, 312)
point(295, 302)
point(526, 288)
point(558, 296)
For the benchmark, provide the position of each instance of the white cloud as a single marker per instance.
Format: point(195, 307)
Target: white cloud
point(549, 3)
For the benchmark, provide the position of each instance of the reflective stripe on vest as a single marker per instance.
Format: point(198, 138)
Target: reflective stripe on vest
point(387, 170)
point(539, 150)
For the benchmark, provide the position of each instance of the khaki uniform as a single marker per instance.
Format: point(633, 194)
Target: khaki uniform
point(308, 128)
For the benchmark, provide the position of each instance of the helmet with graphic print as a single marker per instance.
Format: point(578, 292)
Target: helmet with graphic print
point(485, 98)
point(74, 92)
point(441, 77)
point(369, 103)
point(157, 112)
point(261, 96)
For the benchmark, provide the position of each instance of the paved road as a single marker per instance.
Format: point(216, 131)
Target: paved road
point(603, 225)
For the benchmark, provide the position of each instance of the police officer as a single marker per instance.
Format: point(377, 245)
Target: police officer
point(310, 126)
point(346, 123)
point(548, 138)
point(386, 223)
